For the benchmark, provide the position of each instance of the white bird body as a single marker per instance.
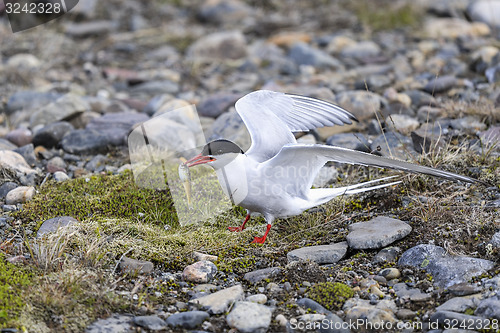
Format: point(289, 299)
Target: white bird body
point(274, 177)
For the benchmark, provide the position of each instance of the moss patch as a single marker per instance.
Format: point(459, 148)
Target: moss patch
point(332, 295)
point(13, 285)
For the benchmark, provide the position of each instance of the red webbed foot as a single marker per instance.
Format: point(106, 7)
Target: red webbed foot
point(241, 227)
point(261, 240)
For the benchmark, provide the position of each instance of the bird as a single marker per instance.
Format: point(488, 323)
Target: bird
point(273, 178)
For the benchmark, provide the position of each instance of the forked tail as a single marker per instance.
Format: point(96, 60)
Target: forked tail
point(318, 196)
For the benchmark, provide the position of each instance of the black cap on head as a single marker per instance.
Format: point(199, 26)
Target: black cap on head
point(219, 147)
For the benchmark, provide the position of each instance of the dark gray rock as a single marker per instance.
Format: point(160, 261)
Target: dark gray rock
point(361, 50)
point(49, 136)
point(117, 323)
point(488, 308)
point(445, 318)
point(320, 254)
point(307, 303)
point(51, 225)
point(97, 163)
point(421, 98)
point(153, 323)
point(440, 84)
point(413, 294)
point(304, 54)
point(214, 105)
point(6, 188)
point(65, 108)
point(187, 320)
point(224, 45)
point(28, 152)
point(356, 141)
point(460, 304)
point(464, 289)
point(446, 270)
point(116, 126)
point(262, 274)
point(85, 141)
point(90, 28)
point(223, 11)
point(376, 233)
point(495, 240)
point(394, 145)
point(155, 88)
point(388, 254)
point(6, 144)
point(28, 100)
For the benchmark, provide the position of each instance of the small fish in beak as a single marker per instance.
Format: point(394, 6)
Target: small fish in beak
point(185, 177)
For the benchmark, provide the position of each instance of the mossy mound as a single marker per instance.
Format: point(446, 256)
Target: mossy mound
point(332, 295)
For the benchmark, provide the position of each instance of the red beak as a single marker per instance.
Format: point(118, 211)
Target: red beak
point(199, 159)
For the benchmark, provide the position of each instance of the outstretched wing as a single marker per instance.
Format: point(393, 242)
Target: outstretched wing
point(271, 117)
point(304, 161)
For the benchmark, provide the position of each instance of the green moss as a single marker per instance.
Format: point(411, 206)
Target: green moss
point(101, 196)
point(332, 295)
point(14, 282)
point(384, 15)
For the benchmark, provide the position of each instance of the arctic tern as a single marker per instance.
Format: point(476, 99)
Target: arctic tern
point(274, 177)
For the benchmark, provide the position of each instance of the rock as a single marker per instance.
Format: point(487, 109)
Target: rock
point(117, 323)
point(361, 50)
point(187, 320)
point(406, 314)
point(29, 100)
point(55, 164)
point(453, 28)
point(376, 233)
point(224, 11)
point(90, 28)
point(460, 304)
point(320, 254)
point(402, 123)
point(430, 114)
point(28, 153)
point(485, 11)
point(116, 126)
point(214, 105)
point(53, 224)
point(440, 84)
point(393, 145)
point(85, 141)
point(491, 136)
point(60, 176)
point(14, 162)
point(199, 272)
point(203, 256)
point(248, 317)
point(129, 265)
point(363, 104)
point(421, 98)
point(156, 87)
point(355, 141)
point(220, 301)
point(153, 323)
point(313, 306)
point(64, 108)
point(225, 45)
point(488, 308)
point(258, 298)
point(390, 273)
point(304, 54)
point(446, 270)
point(369, 317)
point(21, 194)
point(230, 126)
point(24, 61)
point(464, 289)
point(20, 136)
point(262, 274)
point(287, 38)
point(386, 255)
point(50, 135)
point(6, 145)
point(469, 124)
point(444, 318)
point(6, 188)
point(327, 175)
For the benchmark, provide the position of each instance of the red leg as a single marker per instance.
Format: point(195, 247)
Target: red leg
point(261, 240)
point(241, 227)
